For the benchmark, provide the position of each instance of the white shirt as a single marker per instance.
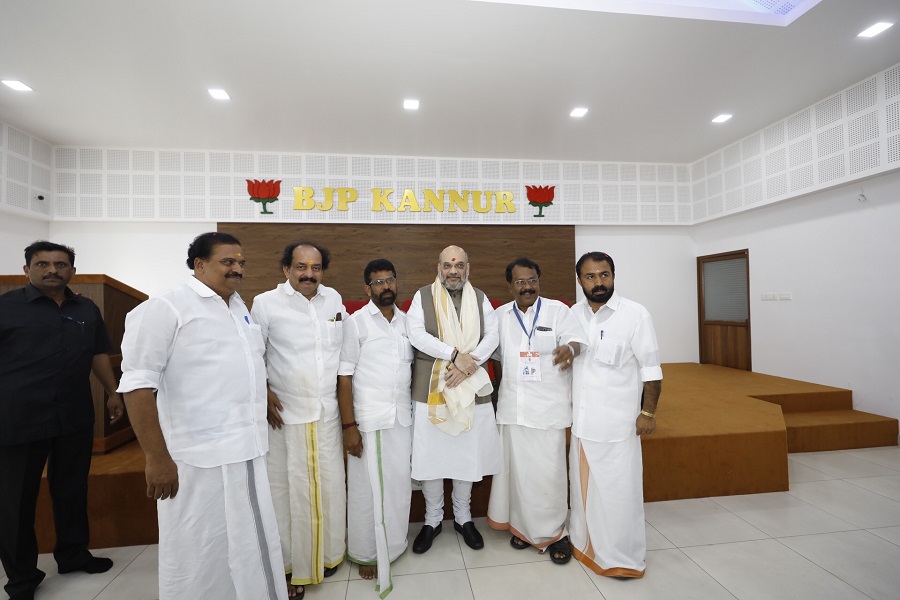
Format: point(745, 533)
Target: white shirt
point(377, 353)
point(303, 345)
point(434, 347)
point(205, 359)
point(544, 404)
point(622, 353)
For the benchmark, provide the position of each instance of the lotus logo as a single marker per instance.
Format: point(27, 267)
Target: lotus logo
point(264, 192)
point(540, 196)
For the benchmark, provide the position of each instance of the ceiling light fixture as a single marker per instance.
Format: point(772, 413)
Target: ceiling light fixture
point(578, 112)
point(721, 118)
point(874, 30)
point(17, 85)
point(410, 104)
point(219, 94)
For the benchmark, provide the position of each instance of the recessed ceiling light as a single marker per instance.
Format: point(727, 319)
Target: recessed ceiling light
point(410, 104)
point(17, 85)
point(219, 94)
point(578, 112)
point(874, 30)
point(721, 118)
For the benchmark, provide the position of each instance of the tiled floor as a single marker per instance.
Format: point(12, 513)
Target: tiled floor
point(835, 534)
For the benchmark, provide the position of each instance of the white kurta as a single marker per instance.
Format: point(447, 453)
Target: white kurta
point(306, 467)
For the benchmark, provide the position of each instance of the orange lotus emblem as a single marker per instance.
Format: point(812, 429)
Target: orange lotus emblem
point(540, 196)
point(264, 192)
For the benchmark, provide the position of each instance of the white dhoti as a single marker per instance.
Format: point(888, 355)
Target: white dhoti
point(218, 537)
point(379, 490)
point(529, 495)
point(306, 472)
point(606, 525)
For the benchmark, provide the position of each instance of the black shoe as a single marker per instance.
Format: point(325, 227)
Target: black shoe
point(423, 541)
point(329, 571)
point(94, 564)
point(471, 536)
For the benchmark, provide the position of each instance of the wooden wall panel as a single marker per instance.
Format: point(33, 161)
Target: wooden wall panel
point(414, 251)
point(726, 345)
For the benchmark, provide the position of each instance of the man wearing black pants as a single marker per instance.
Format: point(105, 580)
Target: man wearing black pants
point(50, 341)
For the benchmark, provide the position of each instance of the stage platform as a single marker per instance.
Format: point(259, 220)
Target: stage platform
point(719, 432)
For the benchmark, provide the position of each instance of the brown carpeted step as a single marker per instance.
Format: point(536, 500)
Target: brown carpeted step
point(838, 430)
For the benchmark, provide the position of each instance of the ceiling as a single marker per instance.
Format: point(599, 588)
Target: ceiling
point(494, 80)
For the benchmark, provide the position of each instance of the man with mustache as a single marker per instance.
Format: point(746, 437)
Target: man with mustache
point(454, 330)
point(194, 382)
point(616, 386)
point(50, 340)
point(376, 410)
point(539, 339)
point(301, 322)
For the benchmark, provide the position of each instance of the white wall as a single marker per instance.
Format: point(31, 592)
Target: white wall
point(149, 257)
point(838, 258)
point(16, 232)
point(657, 267)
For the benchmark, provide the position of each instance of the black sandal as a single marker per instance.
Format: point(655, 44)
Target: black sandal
point(518, 543)
point(563, 547)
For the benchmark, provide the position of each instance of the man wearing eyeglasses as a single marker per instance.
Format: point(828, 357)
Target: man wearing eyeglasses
point(194, 383)
point(376, 410)
point(615, 390)
point(51, 339)
point(302, 326)
point(454, 330)
point(539, 339)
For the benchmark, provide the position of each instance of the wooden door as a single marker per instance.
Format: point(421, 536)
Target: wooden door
point(724, 302)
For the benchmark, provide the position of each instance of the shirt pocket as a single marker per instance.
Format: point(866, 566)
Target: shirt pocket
point(609, 352)
point(335, 331)
point(544, 341)
point(405, 350)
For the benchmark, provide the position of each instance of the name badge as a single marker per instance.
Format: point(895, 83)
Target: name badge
point(529, 366)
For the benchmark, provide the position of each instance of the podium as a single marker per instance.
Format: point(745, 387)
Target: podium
point(115, 300)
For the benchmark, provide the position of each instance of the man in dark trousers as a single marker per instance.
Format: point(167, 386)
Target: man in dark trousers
point(50, 340)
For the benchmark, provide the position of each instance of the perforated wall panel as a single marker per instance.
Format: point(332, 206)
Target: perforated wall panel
point(26, 173)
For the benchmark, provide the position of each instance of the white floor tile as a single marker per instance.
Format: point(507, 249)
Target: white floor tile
point(849, 502)
point(138, 581)
point(886, 486)
point(670, 574)
point(767, 570)
point(332, 590)
point(656, 540)
point(863, 560)
point(541, 580)
point(83, 586)
point(891, 534)
point(800, 472)
point(841, 464)
point(888, 456)
point(497, 550)
point(449, 585)
point(698, 521)
point(780, 514)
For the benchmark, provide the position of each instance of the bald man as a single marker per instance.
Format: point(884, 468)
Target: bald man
point(454, 331)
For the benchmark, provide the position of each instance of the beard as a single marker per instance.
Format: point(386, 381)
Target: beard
point(453, 286)
point(385, 298)
point(599, 294)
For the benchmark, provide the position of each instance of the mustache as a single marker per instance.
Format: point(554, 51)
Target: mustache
point(387, 294)
point(307, 278)
point(52, 277)
point(235, 276)
point(599, 289)
point(528, 291)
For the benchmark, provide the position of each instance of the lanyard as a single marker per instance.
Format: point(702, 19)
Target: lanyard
point(537, 313)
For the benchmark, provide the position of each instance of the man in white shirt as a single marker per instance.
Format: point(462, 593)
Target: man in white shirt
point(616, 386)
point(454, 330)
point(376, 410)
point(301, 323)
point(204, 433)
point(539, 338)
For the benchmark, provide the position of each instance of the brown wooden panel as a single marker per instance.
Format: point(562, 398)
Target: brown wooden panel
point(726, 346)
point(414, 250)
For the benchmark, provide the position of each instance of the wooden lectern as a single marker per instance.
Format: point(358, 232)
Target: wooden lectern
point(114, 299)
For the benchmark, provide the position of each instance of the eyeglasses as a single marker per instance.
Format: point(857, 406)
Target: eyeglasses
point(382, 282)
point(522, 282)
point(459, 266)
